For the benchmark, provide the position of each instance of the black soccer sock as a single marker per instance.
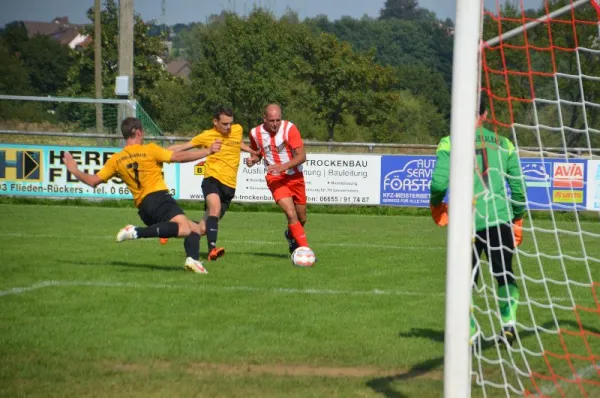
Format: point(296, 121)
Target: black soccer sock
point(161, 230)
point(191, 244)
point(212, 229)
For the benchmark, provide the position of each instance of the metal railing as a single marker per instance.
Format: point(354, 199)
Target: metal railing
point(370, 146)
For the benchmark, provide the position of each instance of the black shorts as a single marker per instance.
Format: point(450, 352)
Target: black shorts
point(226, 193)
point(498, 244)
point(158, 207)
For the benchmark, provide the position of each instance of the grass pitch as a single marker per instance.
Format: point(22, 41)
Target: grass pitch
point(81, 315)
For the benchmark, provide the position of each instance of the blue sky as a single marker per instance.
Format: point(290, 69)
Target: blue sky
point(186, 11)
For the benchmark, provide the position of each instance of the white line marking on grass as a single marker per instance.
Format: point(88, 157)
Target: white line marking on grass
point(216, 288)
point(36, 286)
point(252, 242)
point(134, 285)
point(581, 374)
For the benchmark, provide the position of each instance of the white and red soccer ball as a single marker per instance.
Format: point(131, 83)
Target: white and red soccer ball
point(303, 257)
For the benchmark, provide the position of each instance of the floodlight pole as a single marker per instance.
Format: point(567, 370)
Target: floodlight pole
point(126, 42)
point(98, 63)
point(457, 359)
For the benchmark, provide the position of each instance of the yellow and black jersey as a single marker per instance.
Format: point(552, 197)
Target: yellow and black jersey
point(140, 167)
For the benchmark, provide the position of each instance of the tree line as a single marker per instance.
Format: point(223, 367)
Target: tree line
point(384, 79)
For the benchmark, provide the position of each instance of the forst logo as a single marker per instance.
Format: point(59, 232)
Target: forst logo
point(568, 175)
point(415, 176)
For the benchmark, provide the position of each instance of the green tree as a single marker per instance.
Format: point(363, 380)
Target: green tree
point(412, 120)
point(14, 79)
point(245, 63)
point(148, 70)
point(402, 9)
point(341, 79)
point(14, 36)
point(425, 82)
point(48, 63)
point(175, 111)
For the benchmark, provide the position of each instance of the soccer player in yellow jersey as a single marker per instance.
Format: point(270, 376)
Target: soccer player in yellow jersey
point(140, 167)
point(220, 176)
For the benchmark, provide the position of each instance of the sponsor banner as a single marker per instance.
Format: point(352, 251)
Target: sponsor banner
point(554, 183)
point(405, 180)
point(550, 183)
point(593, 185)
point(33, 170)
point(394, 180)
point(330, 179)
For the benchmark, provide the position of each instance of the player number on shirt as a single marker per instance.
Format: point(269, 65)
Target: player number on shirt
point(136, 173)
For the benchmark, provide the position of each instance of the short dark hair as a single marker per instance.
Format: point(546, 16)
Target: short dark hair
point(129, 126)
point(222, 110)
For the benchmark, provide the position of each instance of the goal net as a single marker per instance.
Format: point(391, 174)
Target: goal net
point(22, 116)
point(540, 79)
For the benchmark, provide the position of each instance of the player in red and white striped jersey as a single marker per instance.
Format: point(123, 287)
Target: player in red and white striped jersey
point(282, 151)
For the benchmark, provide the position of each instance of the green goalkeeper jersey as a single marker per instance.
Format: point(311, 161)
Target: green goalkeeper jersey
point(497, 164)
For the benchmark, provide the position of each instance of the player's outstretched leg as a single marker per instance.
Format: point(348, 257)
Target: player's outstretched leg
point(195, 266)
point(163, 230)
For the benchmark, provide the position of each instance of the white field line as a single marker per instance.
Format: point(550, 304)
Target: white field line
point(252, 242)
point(581, 374)
point(216, 288)
point(19, 290)
point(250, 289)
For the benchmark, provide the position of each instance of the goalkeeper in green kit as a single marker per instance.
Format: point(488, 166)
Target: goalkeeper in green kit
point(497, 164)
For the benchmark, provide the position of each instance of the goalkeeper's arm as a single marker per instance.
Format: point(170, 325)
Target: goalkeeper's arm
point(515, 181)
point(441, 173)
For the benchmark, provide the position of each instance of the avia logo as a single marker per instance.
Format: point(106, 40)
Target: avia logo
point(199, 168)
point(568, 175)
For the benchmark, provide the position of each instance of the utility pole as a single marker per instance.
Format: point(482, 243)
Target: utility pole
point(126, 42)
point(98, 64)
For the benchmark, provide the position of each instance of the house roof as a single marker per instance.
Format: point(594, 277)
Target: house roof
point(35, 28)
point(179, 67)
point(59, 29)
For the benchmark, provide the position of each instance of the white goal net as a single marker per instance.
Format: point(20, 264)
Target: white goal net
point(540, 79)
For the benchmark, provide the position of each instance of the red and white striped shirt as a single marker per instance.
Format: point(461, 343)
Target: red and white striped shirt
point(277, 148)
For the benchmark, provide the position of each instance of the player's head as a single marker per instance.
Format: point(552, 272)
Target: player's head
point(131, 128)
point(223, 119)
point(272, 118)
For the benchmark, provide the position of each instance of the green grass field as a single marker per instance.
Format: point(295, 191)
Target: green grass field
point(81, 315)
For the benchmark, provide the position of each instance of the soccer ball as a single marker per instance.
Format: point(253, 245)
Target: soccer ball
point(303, 257)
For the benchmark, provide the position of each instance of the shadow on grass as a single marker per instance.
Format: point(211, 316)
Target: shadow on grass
point(384, 385)
point(170, 268)
point(433, 335)
point(425, 370)
point(272, 255)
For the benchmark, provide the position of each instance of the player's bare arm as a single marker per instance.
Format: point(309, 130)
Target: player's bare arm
point(246, 148)
point(190, 156)
point(298, 159)
point(181, 147)
point(89, 179)
point(253, 159)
